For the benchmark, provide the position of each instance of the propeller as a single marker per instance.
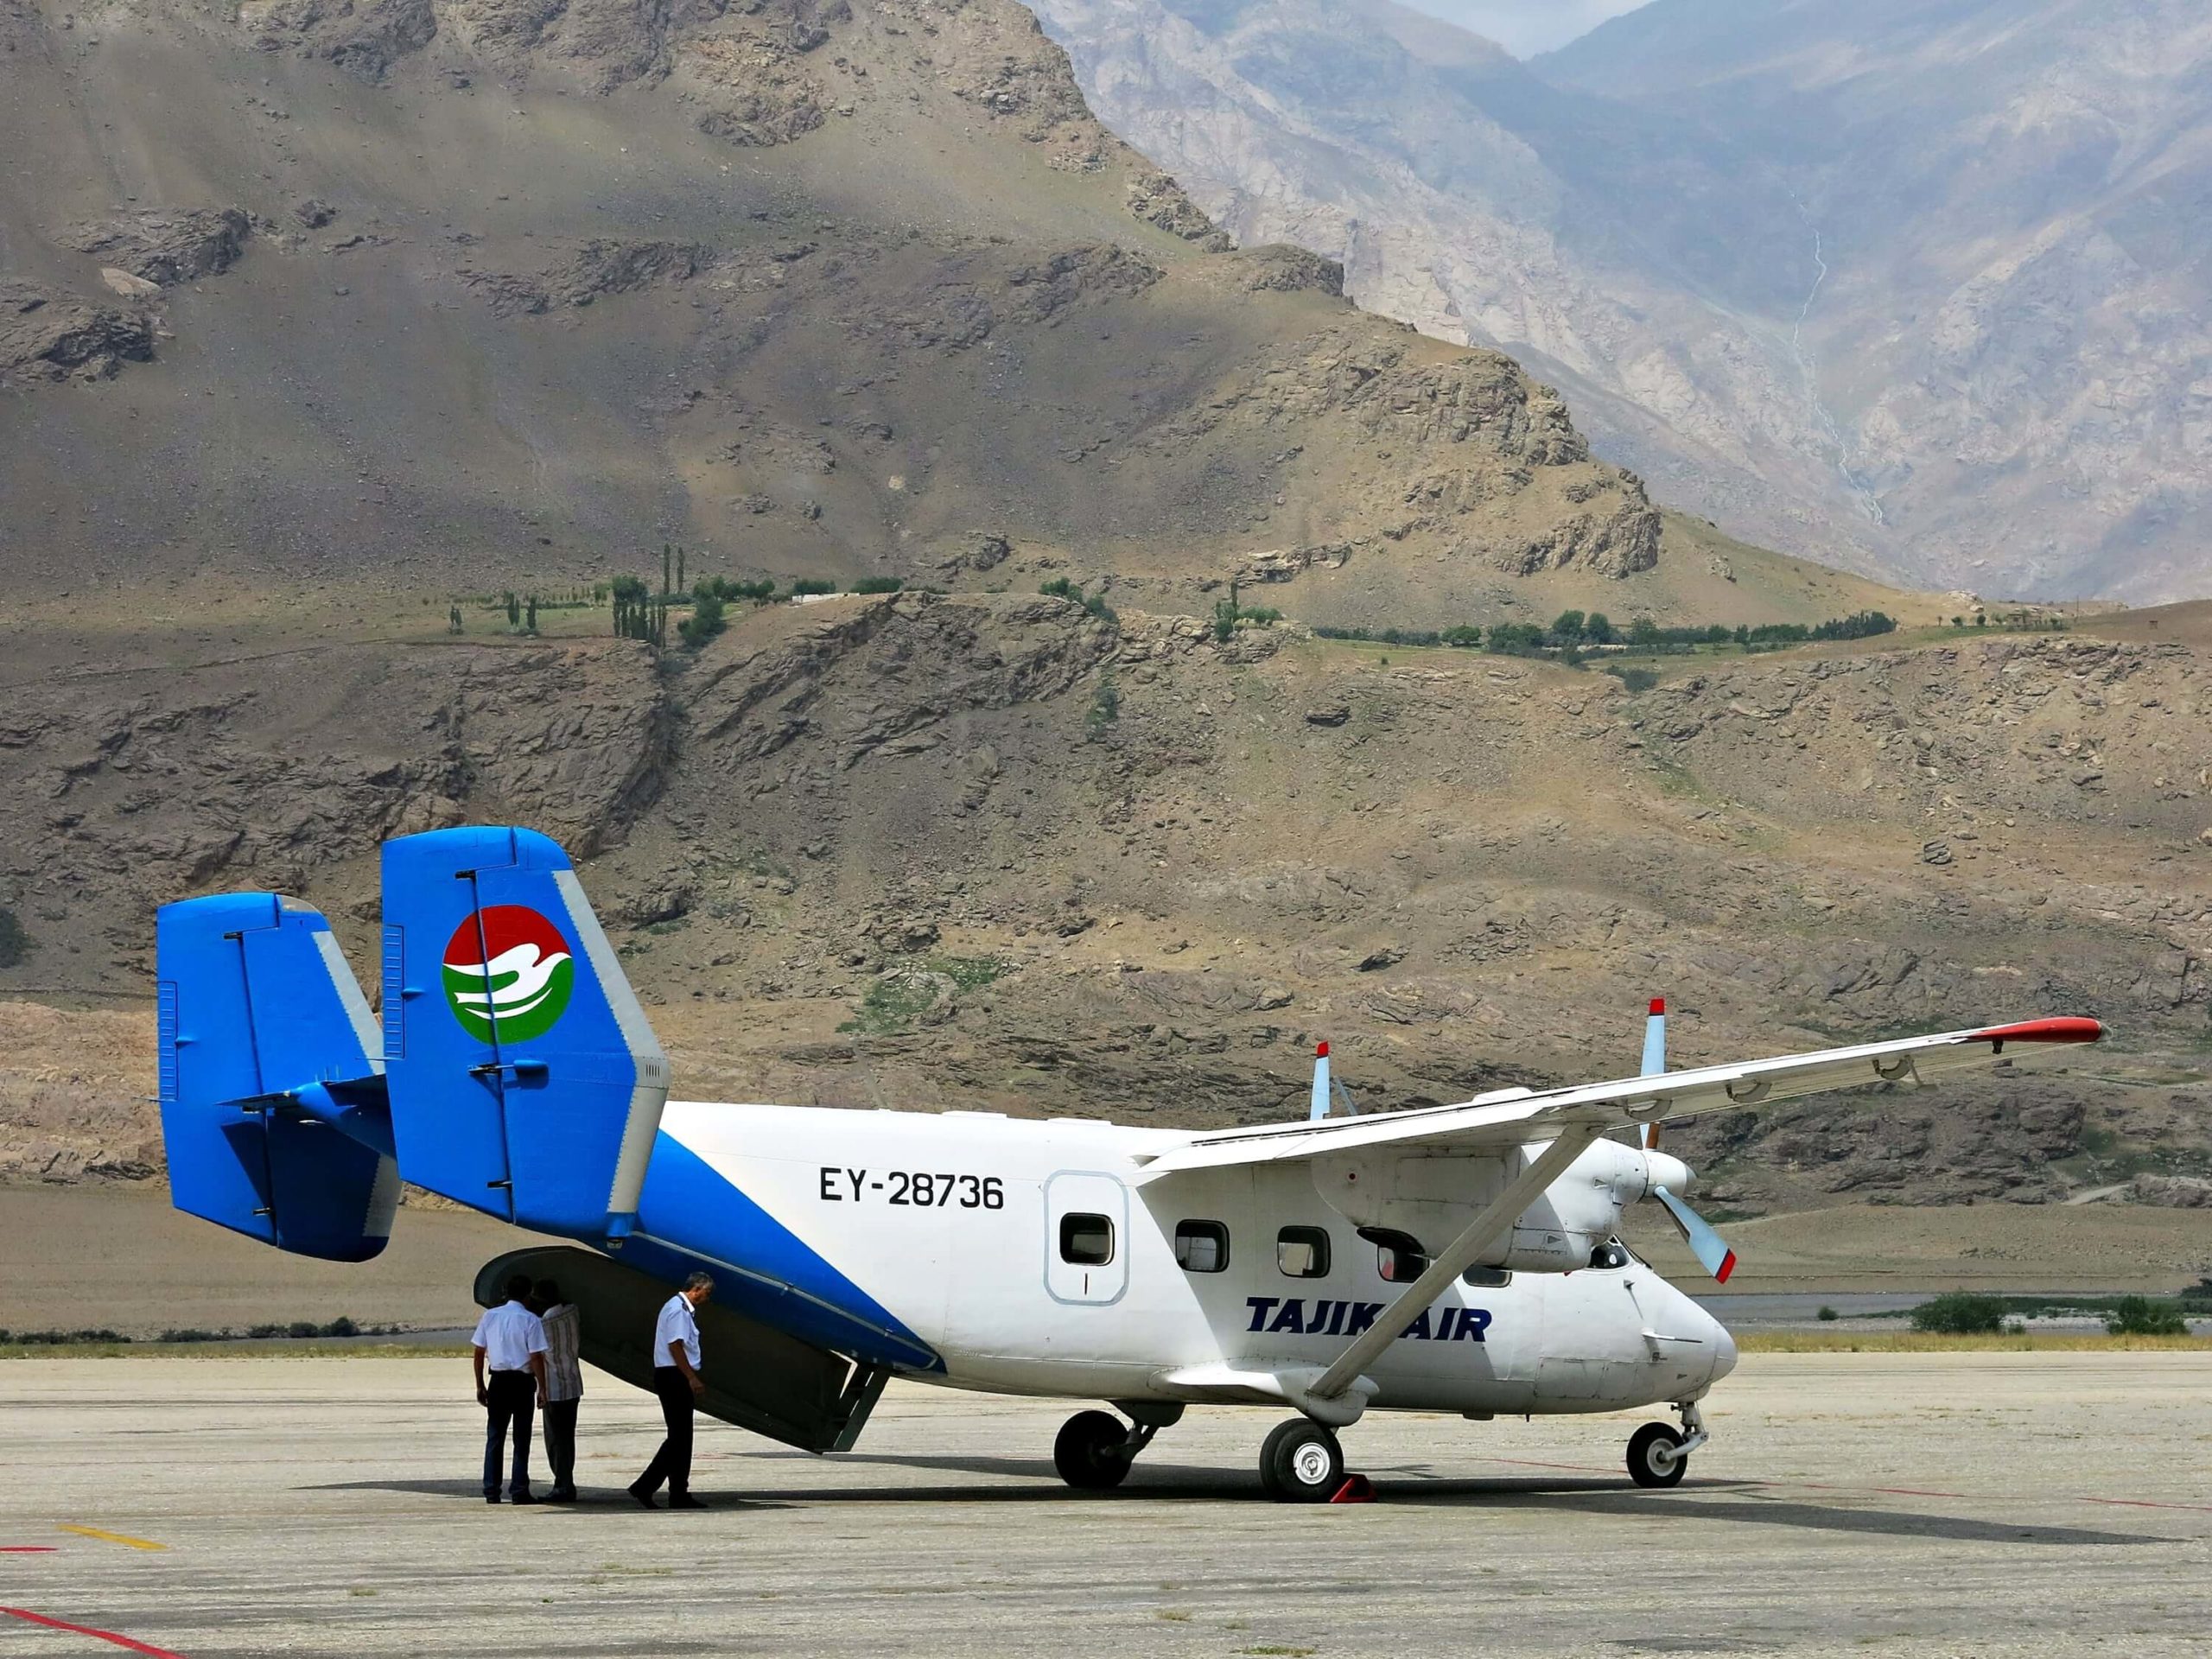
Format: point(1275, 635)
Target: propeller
point(1710, 1248)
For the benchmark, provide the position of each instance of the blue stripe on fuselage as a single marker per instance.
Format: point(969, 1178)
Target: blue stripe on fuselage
point(690, 1218)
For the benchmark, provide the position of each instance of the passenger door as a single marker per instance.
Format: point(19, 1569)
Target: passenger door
point(1086, 1238)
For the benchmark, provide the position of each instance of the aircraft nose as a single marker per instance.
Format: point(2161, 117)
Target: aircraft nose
point(1724, 1352)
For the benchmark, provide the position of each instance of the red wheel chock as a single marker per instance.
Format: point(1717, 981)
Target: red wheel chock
point(1357, 1488)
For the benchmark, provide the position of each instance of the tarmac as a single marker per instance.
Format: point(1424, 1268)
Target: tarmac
point(1983, 1503)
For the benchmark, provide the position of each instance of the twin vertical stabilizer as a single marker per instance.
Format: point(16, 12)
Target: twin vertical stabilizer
point(513, 1070)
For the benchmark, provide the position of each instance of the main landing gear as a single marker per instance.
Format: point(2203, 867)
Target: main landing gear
point(1094, 1449)
point(1659, 1456)
point(1301, 1463)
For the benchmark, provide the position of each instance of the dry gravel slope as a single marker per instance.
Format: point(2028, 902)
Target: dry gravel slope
point(895, 852)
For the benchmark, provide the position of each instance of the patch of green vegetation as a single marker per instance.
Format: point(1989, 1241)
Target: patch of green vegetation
point(1676, 780)
point(673, 924)
point(1061, 587)
point(968, 973)
point(2196, 1300)
point(1960, 1313)
point(1636, 679)
point(900, 996)
point(1105, 709)
point(891, 1004)
point(15, 944)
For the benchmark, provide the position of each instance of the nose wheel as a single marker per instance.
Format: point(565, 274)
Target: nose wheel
point(1301, 1463)
point(1659, 1454)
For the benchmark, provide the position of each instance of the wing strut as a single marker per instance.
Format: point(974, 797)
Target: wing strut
point(1459, 1255)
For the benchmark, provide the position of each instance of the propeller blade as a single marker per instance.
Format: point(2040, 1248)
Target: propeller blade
point(1655, 1058)
point(1710, 1248)
point(1319, 1109)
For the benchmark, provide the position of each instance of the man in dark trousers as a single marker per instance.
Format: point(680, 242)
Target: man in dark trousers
point(511, 1342)
point(564, 1385)
point(677, 1381)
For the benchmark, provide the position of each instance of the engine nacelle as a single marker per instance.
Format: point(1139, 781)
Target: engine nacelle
point(1432, 1196)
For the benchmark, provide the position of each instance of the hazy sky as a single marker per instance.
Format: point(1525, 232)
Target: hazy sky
point(1526, 27)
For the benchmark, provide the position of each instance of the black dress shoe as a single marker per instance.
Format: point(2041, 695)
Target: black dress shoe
point(522, 1497)
point(684, 1501)
point(562, 1494)
point(491, 1497)
point(643, 1497)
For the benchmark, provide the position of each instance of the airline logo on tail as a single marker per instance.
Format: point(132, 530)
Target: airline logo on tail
point(518, 971)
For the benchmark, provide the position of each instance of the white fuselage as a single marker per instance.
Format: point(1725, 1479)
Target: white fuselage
point(959, 1225)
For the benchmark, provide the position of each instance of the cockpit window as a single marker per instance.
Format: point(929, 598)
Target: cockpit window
point(1611, 1254)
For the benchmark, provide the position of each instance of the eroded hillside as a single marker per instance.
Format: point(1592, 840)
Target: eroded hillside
point(993, 851)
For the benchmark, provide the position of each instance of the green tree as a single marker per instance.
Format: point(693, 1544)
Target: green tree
point(530, 615)
point(2138, 1316)
point(1224, 619)
point(705, 621)
point(679, 568)
point(1568, 629)
point(514, 610)
point(1598, 628)
point(15, 944)
point(1643, 631)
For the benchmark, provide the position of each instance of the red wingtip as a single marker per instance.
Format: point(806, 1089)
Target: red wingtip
point(1320, 1051)
point(1727, 1266)
point(1658, 1005)
point(2064, 1030)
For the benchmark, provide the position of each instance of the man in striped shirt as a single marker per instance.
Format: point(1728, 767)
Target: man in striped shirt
point(564, 1387)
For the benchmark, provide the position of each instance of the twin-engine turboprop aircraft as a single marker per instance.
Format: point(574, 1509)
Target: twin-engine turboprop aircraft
point(1453, 1258)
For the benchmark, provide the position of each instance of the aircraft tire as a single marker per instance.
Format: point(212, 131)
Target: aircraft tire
point(1646, 1470)
point(1301, 1463)
point(1091, 1450)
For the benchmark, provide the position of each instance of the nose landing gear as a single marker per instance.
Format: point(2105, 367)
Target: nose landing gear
point(1659, 1456)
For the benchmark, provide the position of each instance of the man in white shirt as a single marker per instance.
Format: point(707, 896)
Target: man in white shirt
point(511, 1340)
point(677, 1381)
point(564, 1387)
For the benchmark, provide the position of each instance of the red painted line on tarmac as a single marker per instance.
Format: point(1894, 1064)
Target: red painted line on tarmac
point(26, 1550)
point(132, 1643)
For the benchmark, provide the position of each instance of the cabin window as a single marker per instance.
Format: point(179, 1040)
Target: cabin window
point(1087, 1241)
point(1398, 1257)
point(1201, 1246)
point(1303, 1252)
point(1486, 1278)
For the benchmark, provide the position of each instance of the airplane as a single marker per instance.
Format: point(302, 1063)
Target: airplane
point(1460, 1258)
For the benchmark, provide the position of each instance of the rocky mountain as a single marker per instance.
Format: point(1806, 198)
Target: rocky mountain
point(999, 852)
point(326, 322)
point(299, 293)
point(1915, 286)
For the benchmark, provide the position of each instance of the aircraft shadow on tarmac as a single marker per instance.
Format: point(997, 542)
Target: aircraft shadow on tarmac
point(1595, 1497)
point(1160, 1483)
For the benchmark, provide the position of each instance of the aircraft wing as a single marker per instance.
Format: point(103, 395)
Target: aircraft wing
point(1515, 1117)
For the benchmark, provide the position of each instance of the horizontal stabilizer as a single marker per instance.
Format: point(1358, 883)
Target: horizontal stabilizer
point(272, 1105)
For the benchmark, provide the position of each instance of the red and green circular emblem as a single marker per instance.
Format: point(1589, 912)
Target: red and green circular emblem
point(517, 970)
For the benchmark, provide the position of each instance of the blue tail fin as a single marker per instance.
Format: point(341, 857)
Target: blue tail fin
point(271, 1103)
point(524, 1080)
